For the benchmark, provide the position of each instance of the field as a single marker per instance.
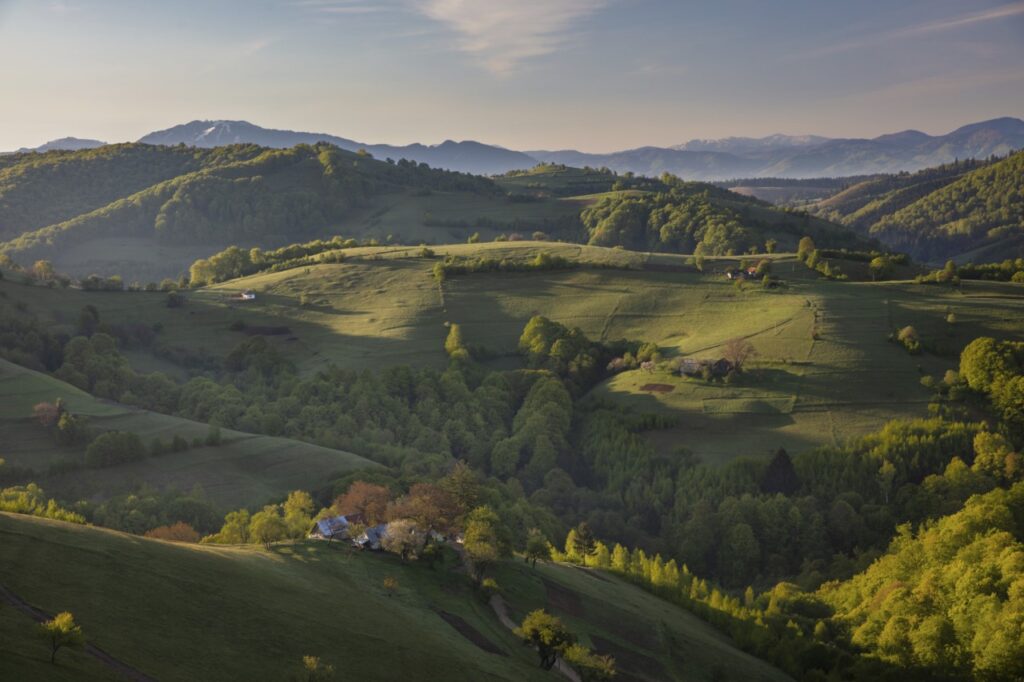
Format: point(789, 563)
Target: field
point(243, 469)
point(260, 611)
point(821, 345)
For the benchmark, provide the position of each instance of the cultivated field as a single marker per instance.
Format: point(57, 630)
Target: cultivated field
point(260, 611)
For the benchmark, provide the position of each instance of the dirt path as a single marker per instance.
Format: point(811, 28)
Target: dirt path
point(470, 632)
point(501, 610)
point(122, 669)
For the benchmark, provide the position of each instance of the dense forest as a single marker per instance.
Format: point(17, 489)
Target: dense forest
point(702, 219)
point(256, 197)
point(240, 193)
point(940, 212)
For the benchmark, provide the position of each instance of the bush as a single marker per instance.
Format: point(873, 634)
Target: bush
point(114, 447)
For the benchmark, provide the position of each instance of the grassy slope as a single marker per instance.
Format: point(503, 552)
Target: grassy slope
point(382, 307)
point(245, 613)
point(244, 468)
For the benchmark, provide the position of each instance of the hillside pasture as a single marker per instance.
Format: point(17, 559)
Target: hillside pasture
point(260, 611)
point(245, 469)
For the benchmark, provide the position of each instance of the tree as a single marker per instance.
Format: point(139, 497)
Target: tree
point(482, 540)
point(455, 345)
point(62, 631)
point(590, 666)
point(315, 670)
point(366, 499)
point(584, 543)
point(805, 248)
point(770, 245)
point(780, 476)
point(43, 270)
point(390, 585)
point(737, 351)
point(547, 633)
point(47, 414)
point(267, 526)
point(298, 513)
point(536, 547)
point(880, 267)
point(176, 532)
point(403, 538)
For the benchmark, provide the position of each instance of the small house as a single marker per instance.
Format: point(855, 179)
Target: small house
point(330, 528)
point(372, 537)
point(690, 367)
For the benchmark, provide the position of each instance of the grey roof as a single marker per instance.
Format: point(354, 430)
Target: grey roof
point(335, 525)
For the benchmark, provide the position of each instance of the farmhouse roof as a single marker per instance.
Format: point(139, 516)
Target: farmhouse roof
point(335, 525)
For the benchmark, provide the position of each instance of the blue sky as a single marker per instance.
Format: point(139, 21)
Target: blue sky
point(596, 75)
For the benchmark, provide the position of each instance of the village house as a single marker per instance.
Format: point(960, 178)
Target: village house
point(691, 367)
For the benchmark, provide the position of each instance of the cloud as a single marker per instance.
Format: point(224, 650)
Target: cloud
point(504, 33)
point(1003, 12)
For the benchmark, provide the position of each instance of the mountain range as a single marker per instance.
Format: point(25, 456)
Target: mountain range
point(784, 156)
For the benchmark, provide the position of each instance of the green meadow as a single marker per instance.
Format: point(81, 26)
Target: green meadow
point(824, 370)
point(260, 611)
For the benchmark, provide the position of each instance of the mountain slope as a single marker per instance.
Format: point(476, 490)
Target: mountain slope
point(247, 613)
point(982, 207)
point(37, 190)
point(244, 468)
point(191, 200)
point(468, 157)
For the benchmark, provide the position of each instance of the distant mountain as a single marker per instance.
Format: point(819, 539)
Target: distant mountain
point(468, 156)
point(65, 143)
point(653, 161)
point(751, 145)
point(778, 156)
point(807, 156)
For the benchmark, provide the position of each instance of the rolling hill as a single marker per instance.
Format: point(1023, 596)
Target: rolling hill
point(243, 468)
point(146, 212)
point(966, 210)
point(820, 343)
point(262, 611)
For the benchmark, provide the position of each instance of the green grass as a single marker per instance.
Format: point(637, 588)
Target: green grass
point(228, 613)
point(243, 469)
point(26, 656)
point(382, 307)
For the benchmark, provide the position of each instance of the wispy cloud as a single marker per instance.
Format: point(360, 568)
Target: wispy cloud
point(342, 6)
point(504, 33)
point(1003, 12)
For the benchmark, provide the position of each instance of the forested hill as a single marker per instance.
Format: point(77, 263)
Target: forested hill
point(37, 190)
point(944, 212)
point(146, 212)
point(56, 200)
point(983, 207)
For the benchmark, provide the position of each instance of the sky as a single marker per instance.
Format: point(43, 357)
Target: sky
point(594, 75)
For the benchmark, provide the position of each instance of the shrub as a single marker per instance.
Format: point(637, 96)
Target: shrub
point(114, 447)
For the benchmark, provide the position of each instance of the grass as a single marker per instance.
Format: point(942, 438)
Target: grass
point(243, 469)
point(652, 638)
point(26, 656)
point(228, 613)
point(821, 345)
